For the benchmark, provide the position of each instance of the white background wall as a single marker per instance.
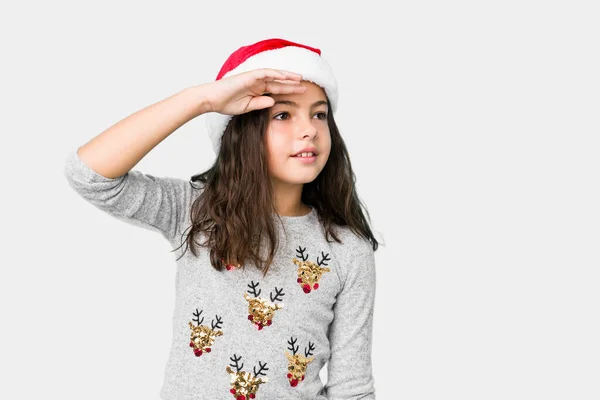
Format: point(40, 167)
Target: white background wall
point(473, 129)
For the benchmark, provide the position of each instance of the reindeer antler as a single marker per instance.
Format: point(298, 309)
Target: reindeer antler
point(197, 315)
point(253, 287)
point(325, 258)
point(236, 365)
point(277, 294)
point(300, 252)
point(308, 352)
point(216, 325)
point(293, 348)
point(262, 367)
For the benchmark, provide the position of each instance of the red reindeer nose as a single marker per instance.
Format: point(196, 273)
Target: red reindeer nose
point(294, 382)
point(241, 397)
point(252, 395)
point(306, 288)
point(197, 352)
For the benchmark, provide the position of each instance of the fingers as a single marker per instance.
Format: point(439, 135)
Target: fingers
point(284, 88)
point(286, 81)
point(291, 75)
point(260, 102)
point(277, 74)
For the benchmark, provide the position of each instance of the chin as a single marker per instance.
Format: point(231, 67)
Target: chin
point(299, 180)
point(310, 178)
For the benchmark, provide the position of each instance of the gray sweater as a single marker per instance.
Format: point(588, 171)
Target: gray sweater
point(237, 335)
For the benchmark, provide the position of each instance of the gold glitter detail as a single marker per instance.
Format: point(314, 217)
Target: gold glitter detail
point(297, 363)
point(297, 367)
point(244, 385)
point(261, 311)
point(309, 274)
point(202, 337)
point(230, 266)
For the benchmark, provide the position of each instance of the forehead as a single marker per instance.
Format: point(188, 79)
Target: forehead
point(313, 93)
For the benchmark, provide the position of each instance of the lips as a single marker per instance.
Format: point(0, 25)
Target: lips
point(310, 160)
point(306, 150)
point(305, 154)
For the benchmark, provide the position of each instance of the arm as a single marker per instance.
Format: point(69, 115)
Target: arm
point(159, 204)
point(119, 148)
point(350, 371)
point(99, 171)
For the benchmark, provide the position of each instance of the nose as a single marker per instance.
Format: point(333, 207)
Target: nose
point(306, 128)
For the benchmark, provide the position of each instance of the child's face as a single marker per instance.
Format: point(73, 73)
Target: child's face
point(292, 128)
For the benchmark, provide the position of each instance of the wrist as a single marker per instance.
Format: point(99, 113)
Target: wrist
point(198, 100)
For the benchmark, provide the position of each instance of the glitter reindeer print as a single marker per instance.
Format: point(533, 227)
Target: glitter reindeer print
point(310, 273)
point(261, 311)
point(244, 385)
point(297, 363)
point(202, 337)
point(229, 266)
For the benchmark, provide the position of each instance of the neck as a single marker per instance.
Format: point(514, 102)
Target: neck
point(287, 200)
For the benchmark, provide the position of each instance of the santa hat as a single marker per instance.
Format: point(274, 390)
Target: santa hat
point(275, 54)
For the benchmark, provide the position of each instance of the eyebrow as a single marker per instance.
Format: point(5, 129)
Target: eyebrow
point(294, 104)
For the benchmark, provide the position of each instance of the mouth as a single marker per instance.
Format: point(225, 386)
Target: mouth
point(308, 154)
point(305, 158)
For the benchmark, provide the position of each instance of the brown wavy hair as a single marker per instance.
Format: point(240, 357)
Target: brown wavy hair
point(234, 211)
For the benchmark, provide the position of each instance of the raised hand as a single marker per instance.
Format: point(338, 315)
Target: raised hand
point(244, 92)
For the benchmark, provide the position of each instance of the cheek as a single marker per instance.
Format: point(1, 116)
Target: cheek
point(273, 159)
point(326, 147)
point(277, 148)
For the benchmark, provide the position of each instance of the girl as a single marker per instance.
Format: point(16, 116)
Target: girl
point(279, 278)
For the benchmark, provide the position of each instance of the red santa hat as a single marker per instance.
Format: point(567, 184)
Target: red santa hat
point(275, 54)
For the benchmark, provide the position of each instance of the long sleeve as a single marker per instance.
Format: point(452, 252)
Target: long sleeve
point(350, 333)
point(154, 203)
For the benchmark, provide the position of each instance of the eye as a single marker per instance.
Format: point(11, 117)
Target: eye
point(323, 115)
point(280, 114)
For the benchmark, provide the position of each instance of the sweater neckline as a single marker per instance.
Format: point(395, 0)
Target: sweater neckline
point(298, 219)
